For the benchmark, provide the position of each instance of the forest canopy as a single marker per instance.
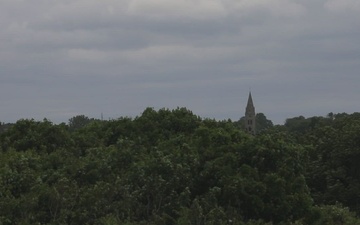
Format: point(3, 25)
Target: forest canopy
point(173, 167)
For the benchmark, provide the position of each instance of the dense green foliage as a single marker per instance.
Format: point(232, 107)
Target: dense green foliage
point(173, 167)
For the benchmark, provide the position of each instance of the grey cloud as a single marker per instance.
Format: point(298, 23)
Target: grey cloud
point(62, 58)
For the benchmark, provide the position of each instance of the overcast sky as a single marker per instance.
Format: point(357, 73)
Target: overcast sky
point(62, 58)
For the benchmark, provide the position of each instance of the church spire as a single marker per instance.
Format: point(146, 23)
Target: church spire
point(250, 103)
point(250, 125)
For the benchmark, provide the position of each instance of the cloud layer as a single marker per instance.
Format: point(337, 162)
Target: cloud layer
point(61, 58)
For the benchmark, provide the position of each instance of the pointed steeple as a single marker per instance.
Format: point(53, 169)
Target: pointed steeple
point(250, 103)
point(250, 116)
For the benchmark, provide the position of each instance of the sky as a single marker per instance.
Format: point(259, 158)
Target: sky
point(62, 58)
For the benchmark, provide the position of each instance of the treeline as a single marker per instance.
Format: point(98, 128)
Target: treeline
point(173, 167)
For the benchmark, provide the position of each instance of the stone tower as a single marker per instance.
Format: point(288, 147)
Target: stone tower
point(250, 116)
